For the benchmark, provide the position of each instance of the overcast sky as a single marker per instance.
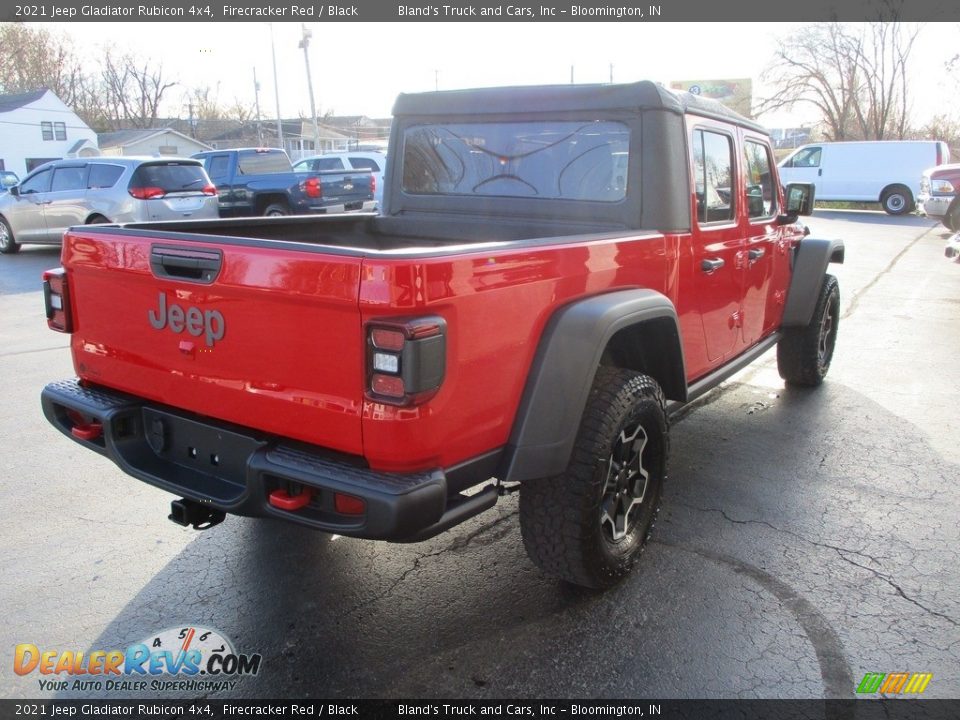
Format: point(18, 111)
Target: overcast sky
point(359, 68)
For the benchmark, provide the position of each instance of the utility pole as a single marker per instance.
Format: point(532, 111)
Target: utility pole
point(436, 80)
point(256, 94)
point(193, 127)
point(611, 73)
point(276, 87)
point(305, 45)
point(571, 74)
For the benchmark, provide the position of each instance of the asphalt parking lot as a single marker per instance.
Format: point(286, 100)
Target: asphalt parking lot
point(805, 537)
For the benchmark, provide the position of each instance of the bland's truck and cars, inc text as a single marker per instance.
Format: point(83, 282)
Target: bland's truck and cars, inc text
point(554, 271)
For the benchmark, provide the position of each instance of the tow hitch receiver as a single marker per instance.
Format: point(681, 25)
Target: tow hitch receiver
point(190, 513)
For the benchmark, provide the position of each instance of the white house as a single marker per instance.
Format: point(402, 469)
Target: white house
point(36, 127)
point(152, 142)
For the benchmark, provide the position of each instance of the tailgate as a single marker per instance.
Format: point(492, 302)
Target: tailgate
point(340, 187)
point(264, 337)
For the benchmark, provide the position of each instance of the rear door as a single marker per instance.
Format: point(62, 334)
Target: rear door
point(717, 239)
point(66, 201)
point(264, 337)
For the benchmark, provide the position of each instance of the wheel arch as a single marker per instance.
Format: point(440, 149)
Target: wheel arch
point(634, 329)
point(262, 202)
point(810, 260)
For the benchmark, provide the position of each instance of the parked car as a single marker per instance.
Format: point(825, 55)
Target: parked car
point(887, 172)
point(8, 179)
point(261, 181)
point(938, 195)
point(375, 162)
point(63, 193)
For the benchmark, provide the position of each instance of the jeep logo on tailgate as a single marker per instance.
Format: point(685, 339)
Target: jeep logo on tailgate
point(209, 323)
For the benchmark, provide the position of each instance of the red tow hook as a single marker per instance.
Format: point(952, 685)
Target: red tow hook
point(285, 501)
point(89, 432)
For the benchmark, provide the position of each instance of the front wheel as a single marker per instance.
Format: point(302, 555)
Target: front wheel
point(804, 353)
point(897, 200)
point(8, 244)
point(589, 524)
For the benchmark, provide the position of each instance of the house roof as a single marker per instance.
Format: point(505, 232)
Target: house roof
point(78, 145)
point(18, 100)
point(122, 138)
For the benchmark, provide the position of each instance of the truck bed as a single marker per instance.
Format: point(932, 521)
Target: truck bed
point(365, 234)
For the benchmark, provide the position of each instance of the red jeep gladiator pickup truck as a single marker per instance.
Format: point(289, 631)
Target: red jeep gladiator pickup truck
point(553, 266)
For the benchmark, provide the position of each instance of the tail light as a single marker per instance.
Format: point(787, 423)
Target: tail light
point(312, 187)
point(210, 189)
point(56, 298)
point(147, 193)
point(373, 184)
point(406, 359)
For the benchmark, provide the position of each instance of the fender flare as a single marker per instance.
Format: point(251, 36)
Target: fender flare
point(561, 376)
point(810, 260)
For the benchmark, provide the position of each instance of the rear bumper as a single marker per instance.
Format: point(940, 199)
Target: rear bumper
point(235, 469)
point(354, 206)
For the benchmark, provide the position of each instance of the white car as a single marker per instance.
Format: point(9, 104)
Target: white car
point(375, 162)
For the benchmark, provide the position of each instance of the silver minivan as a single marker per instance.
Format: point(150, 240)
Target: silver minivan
point(63, 193)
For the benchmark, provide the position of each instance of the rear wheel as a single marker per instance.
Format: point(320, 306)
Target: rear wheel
point(276, 210)
point(97, 220)
point(804, 353)
point(897, 200)
point(589, 524)
point(8, 244)
point(951, 220)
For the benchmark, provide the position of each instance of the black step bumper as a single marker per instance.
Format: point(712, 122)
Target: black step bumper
point(236, 469)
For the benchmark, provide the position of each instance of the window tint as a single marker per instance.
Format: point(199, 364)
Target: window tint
point(328, 164)
point(46, 130)
point(361, 163)
point(761, 195)
point(713, 176)
point(171, 177)
point(60, 130)
point(36, 183)
point(575, 160)
point(104, 176)
point(69, 178)
point(808, 157)
point(218, 166)
point(263, 163)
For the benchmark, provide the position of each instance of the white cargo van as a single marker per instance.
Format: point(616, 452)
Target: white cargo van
point(886, 171)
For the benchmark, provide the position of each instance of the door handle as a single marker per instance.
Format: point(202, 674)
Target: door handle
point(755, 255)
point(820, 172)
point(708, 266)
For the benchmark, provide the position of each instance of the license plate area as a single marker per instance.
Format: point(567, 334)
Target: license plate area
point(208, 460)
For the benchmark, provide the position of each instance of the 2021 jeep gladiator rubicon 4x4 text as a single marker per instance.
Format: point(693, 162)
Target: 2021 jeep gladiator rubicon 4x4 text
point(553, 266)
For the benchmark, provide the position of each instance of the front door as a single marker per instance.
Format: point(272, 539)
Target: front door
point(66, 204)
point(26, 214)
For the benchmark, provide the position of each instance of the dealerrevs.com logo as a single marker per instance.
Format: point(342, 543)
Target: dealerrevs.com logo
point(177, 659)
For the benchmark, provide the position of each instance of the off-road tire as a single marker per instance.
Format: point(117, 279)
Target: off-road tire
point(276, 210)
point(561, 517)
point(8, 244)
point(804, 353)
point(897, 200)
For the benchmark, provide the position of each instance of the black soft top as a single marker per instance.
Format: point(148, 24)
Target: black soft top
point(644, 95)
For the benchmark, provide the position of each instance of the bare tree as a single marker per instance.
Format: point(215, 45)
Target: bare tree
point(133, 90)
point(853, 74)
point(35, 58)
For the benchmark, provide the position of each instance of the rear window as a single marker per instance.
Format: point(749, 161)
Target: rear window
point(103, 176)
point(573, 160)
point(361, 163)
point(171, 177)
point(263, 163)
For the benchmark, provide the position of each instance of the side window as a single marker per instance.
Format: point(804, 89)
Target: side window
point(217, 166)
point(758, 187)
point(713, 176)
point(36, 183)
point(806, 158)
point(104, 176)
point(69, 178)
point(328, 164)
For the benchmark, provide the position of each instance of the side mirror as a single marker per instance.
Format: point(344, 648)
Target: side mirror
point(15, 191)
point(799, 199)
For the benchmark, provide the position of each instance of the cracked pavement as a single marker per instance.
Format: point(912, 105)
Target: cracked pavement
point(804, 539)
